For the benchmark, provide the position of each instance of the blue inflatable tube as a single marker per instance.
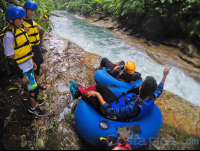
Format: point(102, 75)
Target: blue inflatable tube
point(101, 76)
point(92, 126)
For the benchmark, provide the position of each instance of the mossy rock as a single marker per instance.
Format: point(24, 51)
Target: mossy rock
point(40, 143)
point(23, 143)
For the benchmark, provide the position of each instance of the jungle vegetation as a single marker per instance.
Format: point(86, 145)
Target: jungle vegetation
point(175, 18)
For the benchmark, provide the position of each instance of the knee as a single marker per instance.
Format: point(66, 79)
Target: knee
point(34, 93)
point(103, 61)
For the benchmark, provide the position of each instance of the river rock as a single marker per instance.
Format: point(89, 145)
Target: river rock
point(65, 61)
point(191, 50)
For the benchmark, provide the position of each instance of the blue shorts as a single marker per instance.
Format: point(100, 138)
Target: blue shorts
point(32, 83)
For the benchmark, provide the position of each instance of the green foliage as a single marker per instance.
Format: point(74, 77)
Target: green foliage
point(55, 123)
point(44, 9)
point(39, 142)
point(86, 7)
point(179, 17)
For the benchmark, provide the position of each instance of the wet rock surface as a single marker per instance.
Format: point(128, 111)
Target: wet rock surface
point(63, 61)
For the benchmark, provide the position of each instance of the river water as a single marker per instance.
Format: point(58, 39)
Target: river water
point(103, 42)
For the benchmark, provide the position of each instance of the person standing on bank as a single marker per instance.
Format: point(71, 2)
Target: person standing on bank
point(32, 29)
point(17, 49)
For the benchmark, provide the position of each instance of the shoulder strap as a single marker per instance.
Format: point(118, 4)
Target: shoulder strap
point(30, 23)
point(134, 90)
point(125, 101)
point(136, 108)
point(121, 67)
point(3, 33)
point(119, 74)
point(14, 32)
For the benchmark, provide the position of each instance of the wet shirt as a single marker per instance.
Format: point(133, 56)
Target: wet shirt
point(126, 111)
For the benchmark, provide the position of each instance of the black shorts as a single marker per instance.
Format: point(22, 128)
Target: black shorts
point(107, 64)
point(106, 93)
point(37, 58)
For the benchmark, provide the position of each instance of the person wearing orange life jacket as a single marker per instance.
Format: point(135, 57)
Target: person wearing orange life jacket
point(121, 71)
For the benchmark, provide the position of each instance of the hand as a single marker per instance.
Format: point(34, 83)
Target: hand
point(117, 63)
point(91, 93)
point(34, 66)
point(26, 28)
point(25, 80)
point(38, 27)
point(166, 71)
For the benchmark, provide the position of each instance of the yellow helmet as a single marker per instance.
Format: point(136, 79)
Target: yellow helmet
point(129, 67)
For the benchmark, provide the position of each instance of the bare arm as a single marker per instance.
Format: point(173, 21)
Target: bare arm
point(11, 57)
point(165, 73)
point(96, 94)
point(100, 98)
point(117, 63)
point(34, 65)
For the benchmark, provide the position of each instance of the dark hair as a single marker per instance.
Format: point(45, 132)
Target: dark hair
point(148, 87)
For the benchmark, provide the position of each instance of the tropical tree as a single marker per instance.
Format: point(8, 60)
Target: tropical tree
point(179, 18)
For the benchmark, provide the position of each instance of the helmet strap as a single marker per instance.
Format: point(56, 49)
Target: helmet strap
point(26, 13)
point(13, 23)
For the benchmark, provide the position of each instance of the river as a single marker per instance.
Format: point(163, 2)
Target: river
point(104, 43)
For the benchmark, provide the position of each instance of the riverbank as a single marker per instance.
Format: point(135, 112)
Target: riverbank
point(63, 61)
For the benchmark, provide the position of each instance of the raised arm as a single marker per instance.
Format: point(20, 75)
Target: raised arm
point(165, 73)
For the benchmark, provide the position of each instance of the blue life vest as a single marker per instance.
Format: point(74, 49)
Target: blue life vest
point(144, 106)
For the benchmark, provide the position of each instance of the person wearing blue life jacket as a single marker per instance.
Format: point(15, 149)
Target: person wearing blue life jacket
point(129, 106)
point(121, 71)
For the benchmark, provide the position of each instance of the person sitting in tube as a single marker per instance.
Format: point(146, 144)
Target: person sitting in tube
point(121, 71)
point(134, 106)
